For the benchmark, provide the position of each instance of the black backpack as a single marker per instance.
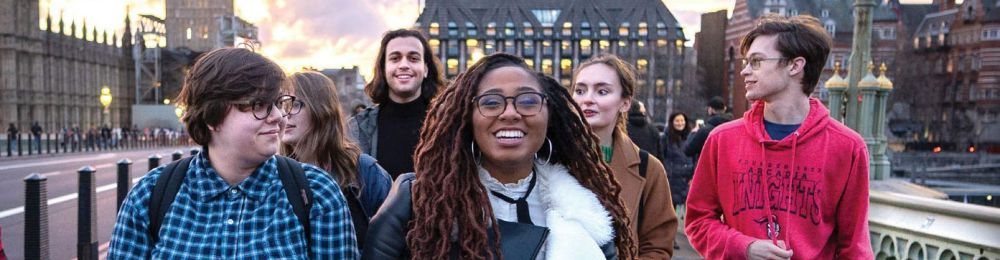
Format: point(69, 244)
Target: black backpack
point(292, 176)
point(643, 163)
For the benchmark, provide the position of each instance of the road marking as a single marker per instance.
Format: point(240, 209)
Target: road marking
point(57, 173)
point(47, 163)
point(64, 198)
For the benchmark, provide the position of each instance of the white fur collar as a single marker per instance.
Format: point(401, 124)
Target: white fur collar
point(578, 223)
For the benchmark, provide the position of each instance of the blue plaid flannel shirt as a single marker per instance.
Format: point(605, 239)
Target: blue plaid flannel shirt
point(210, 219)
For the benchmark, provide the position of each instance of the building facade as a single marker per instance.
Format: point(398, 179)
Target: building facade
point(711, 61)
point(54, 76)
point(555, 36)
point(350, 88)
point(203, 25)
point(958, 47)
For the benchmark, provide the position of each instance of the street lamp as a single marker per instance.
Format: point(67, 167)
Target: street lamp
point(106, 102)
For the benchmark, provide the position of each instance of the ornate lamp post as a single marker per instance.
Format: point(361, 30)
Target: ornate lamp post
point(106, 102)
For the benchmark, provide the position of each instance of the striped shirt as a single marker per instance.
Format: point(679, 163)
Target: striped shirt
point(211, 219)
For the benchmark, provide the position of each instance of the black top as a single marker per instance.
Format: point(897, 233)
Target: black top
point(398, 134)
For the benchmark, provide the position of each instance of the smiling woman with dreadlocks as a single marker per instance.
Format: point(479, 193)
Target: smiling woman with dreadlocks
point(501, 150)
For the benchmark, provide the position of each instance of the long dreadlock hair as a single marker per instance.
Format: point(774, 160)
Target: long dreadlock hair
point(448, 198)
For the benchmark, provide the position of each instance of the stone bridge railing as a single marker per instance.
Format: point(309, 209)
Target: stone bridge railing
point(911, 227)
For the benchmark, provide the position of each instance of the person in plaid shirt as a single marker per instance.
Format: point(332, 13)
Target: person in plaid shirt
point(232, 203)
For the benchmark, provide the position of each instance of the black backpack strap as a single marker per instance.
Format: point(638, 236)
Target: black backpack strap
point(164, 192)
point(293, 177)
point(358, 216)
point(643, 163)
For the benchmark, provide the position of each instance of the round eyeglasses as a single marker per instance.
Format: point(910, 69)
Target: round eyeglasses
point(525, 104)
point(262, 109)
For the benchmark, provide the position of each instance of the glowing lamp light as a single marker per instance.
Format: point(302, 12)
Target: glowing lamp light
point(105, 97)
point(937, 149)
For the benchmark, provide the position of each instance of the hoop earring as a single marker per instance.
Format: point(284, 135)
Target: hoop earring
point(549, 157)
point(475, 157)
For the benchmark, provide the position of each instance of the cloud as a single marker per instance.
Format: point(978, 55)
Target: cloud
point(324, 33)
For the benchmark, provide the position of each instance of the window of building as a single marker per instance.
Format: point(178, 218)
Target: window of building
point(435, 28)
point(661, 87)
point(435, 45)
point(825, 13)
point(530, 62)
point(547, 66)
point(452, 67)
point(508, 47)
point(204, 32)
point(585, 47)
point(641, 66)
point(547, 30)
point(623, 29)
point(643, 29)
point(471, 29)
point(567, 48)
point(528, 29)
point(547, 48)
point(490, 47)
point(491, 28)
point(546, 16)
point(452, 48)
point(661, 29)
point(529, 48)
point(604, 46)
point(189, 33)
point(566, 67)
point(605, 31)
point(508, 29)
point(471, 43)
point(661, 43)
point(585, 29)
point(567, 29)
point(622, 44)
point(831, 27)
point(452, 29)
point(793, 12)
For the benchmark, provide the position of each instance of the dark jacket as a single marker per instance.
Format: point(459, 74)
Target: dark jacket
point(697, 139)
point(363, 130)
point(644, 134)
point(386, 238)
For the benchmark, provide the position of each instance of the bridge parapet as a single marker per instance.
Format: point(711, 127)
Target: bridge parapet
point(911, 227)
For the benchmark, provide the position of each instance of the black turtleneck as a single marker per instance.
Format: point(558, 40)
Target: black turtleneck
point(398, 134)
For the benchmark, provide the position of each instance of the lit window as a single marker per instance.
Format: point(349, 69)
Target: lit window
point(567, 28)
point(491, 28)
point(585, 46)
point(604, 45)
point(621, 44)
point(605, 31)
point(643, 29)
point(640, 65)
point(471, 42)
point(435, 44)
point(528, 30)
point(547, 66)
point(530, 63)
point(661, 43)
point(452, 66)
point(529, 48)
point(435, 28)
point(508, 29)
point(566, 65)
point(189, 33)
point(623, 30)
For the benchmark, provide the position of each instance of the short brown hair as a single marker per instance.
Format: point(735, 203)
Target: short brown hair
point(378, 88)
point(798, 36)
point(221, 77)
point(626, 78)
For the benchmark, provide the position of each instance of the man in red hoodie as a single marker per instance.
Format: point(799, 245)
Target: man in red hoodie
point(785, 181)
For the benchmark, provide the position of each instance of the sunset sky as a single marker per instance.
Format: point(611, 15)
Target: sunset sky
point(317, 33)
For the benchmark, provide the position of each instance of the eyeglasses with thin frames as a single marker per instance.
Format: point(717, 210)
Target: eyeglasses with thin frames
point(525, 104)
point(755, 61)
point(262, 109)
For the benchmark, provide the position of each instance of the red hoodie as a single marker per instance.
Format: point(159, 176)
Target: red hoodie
point(816, 181)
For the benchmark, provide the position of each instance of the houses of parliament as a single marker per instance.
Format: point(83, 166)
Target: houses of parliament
point(54, 75)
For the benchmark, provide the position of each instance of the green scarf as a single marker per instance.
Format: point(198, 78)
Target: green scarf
point(607, 151)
